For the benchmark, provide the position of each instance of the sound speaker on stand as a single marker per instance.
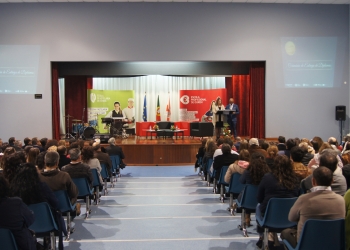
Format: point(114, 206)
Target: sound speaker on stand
point(340, 113)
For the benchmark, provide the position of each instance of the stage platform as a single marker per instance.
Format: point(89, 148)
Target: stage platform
point(158, 151)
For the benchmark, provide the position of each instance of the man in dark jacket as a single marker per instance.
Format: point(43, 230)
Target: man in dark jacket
point(102, 157)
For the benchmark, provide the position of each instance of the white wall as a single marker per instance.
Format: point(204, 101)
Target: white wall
point(176, 32)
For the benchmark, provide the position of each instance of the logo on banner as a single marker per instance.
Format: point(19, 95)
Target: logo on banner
point(185, 99)
point(93, 97)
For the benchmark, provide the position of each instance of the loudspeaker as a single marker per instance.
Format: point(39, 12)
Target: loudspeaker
point(340, 113)
point(103, 137)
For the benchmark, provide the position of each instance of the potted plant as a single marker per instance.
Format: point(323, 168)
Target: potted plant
point(156, 127)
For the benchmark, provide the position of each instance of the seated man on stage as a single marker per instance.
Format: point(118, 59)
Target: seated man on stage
point(232, 116)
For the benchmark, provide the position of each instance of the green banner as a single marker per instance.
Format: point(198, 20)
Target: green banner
point(101, 103)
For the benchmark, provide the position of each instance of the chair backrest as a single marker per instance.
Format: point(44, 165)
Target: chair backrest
point(96, 179)
point(115, 159)
point(248, 199)
point(322, 234)
point(104, 172)
point(83, 186)
point(222, 176)
point(7, 240)
point(235, 185)
point(44, 221)
point(276, 213)
point(64, 204)
point(209, 163)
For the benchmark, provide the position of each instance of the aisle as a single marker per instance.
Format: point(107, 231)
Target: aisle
point(160, 208)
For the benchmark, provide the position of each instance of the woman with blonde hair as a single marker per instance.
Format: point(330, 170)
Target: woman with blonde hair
point(215, 108)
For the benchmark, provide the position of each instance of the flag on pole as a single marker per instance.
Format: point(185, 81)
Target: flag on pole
point(168, 110)
point(144, 116)
point(158, 110)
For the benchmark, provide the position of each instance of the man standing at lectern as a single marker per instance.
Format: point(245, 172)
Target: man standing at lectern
point(232, 116)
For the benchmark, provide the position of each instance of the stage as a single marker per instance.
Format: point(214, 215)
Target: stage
point(159, 151)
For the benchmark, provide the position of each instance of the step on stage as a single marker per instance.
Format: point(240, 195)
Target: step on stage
point(159, 151)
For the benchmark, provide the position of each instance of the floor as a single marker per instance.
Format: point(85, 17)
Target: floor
point(160, 208)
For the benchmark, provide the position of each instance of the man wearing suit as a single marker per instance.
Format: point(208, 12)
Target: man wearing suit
point(232, 116)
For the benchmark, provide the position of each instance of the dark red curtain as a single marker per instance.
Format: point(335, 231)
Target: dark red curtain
point(55, 103)
point(76, 98)
point(248, 92)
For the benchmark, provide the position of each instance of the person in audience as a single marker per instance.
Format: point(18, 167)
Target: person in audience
point(220, 142)
point(18, 145)
point(114, 149)
point(12, 165)
point(43, 142)
point(289, 145)
point(210, 148)
point(334, 143)
point(254, 147)
point(12, 141)
point(243, 145)
point(62, 143)
point(264, 145)
point(62, 151)
point(36, 144)
point(281, 182)
point(347, 219)
point(272, 152)
point(200, 154)
point(237, 143)
point(87, 156)
point(238, 166)
point(226, 159)
point(59, 180)
point(40, 161)
point(321, 204)
point(77, 169)
point(314, 163)
point(346, 168)
point(316, 143)
point(328, 159)
point(51, 143)
point(27, 142)
point(52, 148)
point(281, 143)
point(8, 151)
point(32, 155)
point(308, 155)
point(16, 216)
point(296, 155)
point(102, 157)
point(27, 149)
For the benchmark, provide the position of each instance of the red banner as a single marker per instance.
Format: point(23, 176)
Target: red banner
point(195, 104)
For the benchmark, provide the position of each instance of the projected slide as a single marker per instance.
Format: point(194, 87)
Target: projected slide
point(19, 69)
point(308, 62)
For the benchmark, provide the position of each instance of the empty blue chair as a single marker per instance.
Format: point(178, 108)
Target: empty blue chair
point(65, 206)
point(276, 216)
point(7, 240)
point(249, 201)
point(84, 191)
point(115, 159)
point(44, 224)
point(105, 177)
point(321, 234)
point(209, 163)
point(96, 183)
point(235, 187)
point(222, 183)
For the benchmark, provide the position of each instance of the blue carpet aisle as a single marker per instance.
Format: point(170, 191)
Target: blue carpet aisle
point(160, 208)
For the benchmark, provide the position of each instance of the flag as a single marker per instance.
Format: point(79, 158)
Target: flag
point(168, 110)
point(144, 110)
point(158, 110)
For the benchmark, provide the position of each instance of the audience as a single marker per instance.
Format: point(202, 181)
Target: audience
point(239, 166)
point(87, 156)
point(64, 160)
point(296, 155)
point(272, 152)
point(102, 157)
point(281, 143)
point(289, 145)
point(200, 153)
point(13, 164)
point(114, 149)
point(32, 155)
point(210, 148)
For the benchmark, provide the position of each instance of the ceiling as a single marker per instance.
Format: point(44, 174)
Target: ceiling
point(209, 1)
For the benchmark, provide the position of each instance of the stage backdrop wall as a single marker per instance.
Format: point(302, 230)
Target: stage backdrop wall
point(183, 32)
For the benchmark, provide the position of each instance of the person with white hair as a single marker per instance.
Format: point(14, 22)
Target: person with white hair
point(114, 149)
point(129, 113)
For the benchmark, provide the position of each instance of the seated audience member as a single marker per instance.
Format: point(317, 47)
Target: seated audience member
point(51, 149)
point(334, 143)
point(238, 166)
point(102, 157)
point(226, 159)
point(27, 142)
point(254, 147)
point(8, 151)
point(18, 145)
point(200, 154)
point(210, 148)
point(13, 165)
point(62, 143)
point(237, 143)
point(27, 149)
point(314, 163)
point(114, 149)
point(271, 155)
point(296, 155)
point(347, 219)
point(12, 141)
point(328, 159)
point(346, 168)
point(87, 156)
point(62, 151)
point(308, 153)
point(253, 175)
point(40, 161)
point(243, 145)
point(282, 182)
point(265, 145)
point(36, 144)
point(58, 180)
point(321, 204)
point(16, 216)
point(316, 143)
point(289, 145)
point(32, 155)
point(43, 142)
point(281, 143)
point(220, 142)
point(77, 169)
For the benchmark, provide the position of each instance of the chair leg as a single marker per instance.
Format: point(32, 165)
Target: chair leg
point(266, 239)
point(214, 186)
point(105, 191)
point(231, 205)
point(222, 195)
point(244, 223)
point(53, 240)
point(87, 207)
point(97, 195)
point(69, 226)
point(208, 179)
